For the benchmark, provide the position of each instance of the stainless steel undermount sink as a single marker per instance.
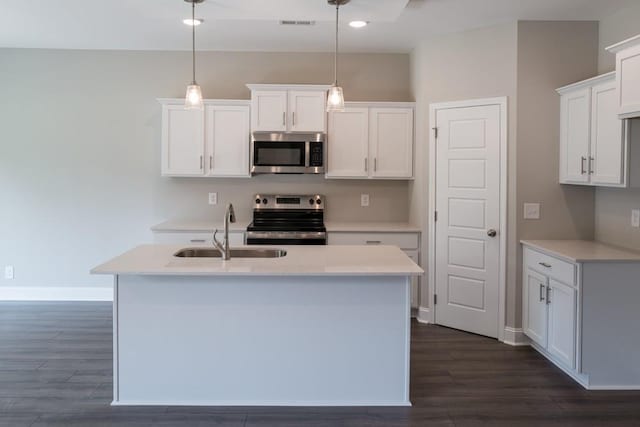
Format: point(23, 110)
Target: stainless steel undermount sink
point(235, 253)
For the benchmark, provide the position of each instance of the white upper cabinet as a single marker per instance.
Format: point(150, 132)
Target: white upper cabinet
point(182, 141)
point(280, 108)
point(307, 110)
point(348, 143)
point(628, 77)
point(213, 142)
point(575, 118)
point(391, 142)
point(269, 110)
point(371, 140)
point(593, 140)
point(227, 140)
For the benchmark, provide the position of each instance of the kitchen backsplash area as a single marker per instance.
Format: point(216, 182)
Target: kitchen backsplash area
point(189, 197)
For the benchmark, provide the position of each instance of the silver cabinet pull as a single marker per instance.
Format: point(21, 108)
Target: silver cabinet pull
point(293, 117)
point(548, 294)
point(373, 242)
point(366, 164)
point(591, 160)
point(197, 240)
point(375, 164)
point(284, 118)
point(210, 162)
point(542, 291)
point(201, 162)
point(492, 233)
point(583, 159)
point(544, 264)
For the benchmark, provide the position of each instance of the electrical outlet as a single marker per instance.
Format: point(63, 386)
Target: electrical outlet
point(364, 200)
point(8, 272)
point(532, 211)
point(635, 218)
point(213, 198)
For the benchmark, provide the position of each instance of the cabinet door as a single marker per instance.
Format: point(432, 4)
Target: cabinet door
point(182, 141)
point(307, 111)
point(534, 320)
point(628, 71)
point(562, 322)
point(348, 144)
point(575, 120)
point(608, 150)
point(391, 142)
point(268, 110)
point(227, 135)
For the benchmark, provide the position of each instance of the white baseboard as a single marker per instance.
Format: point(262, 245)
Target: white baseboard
point(515, 336)
point(424, 315)
point(56, 293)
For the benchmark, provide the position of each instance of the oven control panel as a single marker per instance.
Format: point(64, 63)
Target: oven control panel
point(310, 201)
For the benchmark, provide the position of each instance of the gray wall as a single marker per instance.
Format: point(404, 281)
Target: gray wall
point(613, 206)
point(474, 64)
point(526, 62)
point(550, 55)
point(80, 150)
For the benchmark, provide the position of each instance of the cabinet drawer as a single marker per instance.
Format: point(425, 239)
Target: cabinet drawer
point(401, 240)
point(560, 270)
point(181, 238)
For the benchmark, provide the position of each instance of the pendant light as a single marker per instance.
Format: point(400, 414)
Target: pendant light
point(335, 97)
point(193, 99)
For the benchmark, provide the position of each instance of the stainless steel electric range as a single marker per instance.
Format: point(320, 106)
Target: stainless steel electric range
point(287, 220)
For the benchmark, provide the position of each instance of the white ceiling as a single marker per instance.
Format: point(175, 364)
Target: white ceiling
point(253, 25)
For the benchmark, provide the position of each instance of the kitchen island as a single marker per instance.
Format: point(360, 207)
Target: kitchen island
point(323, 325)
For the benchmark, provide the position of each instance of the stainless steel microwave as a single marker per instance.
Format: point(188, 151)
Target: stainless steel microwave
point(282, 153)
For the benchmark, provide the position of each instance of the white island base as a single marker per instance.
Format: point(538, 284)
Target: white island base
point(301, 340)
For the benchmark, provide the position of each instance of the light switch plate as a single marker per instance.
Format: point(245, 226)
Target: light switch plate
point(213, 198)
point(635, 218)
point(364, 200)
point(8, 272)
point(532, 211)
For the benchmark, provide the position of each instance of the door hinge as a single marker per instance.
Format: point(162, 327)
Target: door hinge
point(435, 133)
point(435, 299)
point(435, 215)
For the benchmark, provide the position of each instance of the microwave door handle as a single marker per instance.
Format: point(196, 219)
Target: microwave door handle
point(307, 154)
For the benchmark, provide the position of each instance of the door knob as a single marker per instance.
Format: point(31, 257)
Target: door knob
point(492, 233)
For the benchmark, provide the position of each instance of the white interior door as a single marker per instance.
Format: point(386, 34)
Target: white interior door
point(467, 243)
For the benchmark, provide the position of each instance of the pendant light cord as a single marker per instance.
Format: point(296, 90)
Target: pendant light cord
point(193, 38)
point(335, 58)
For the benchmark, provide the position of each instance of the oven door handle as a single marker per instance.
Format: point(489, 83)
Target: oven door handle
point(286, 235)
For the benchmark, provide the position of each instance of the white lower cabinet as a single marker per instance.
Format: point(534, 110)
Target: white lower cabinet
point(549, 308)
point(408, 242)
point(583, 315)
point(236, 238)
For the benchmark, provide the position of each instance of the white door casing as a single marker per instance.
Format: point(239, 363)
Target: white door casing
point(466, 189)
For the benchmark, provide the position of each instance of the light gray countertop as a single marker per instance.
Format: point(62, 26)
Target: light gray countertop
point(206, 226)
point(300, 260)
point(583, 250)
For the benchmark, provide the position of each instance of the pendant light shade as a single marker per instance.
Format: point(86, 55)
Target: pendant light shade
point(193, 99)
point(335, 97)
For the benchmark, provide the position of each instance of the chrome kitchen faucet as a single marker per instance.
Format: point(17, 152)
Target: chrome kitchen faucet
point(229, 216)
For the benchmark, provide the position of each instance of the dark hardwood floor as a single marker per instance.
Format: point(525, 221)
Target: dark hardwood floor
point(56, 366)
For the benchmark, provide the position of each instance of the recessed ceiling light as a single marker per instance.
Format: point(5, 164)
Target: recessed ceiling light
point(358, 24)
point(193, 22)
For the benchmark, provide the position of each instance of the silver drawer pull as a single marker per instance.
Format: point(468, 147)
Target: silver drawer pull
point(542, 289)
point(544, 264)
point(373, 242)
point(197, 240)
